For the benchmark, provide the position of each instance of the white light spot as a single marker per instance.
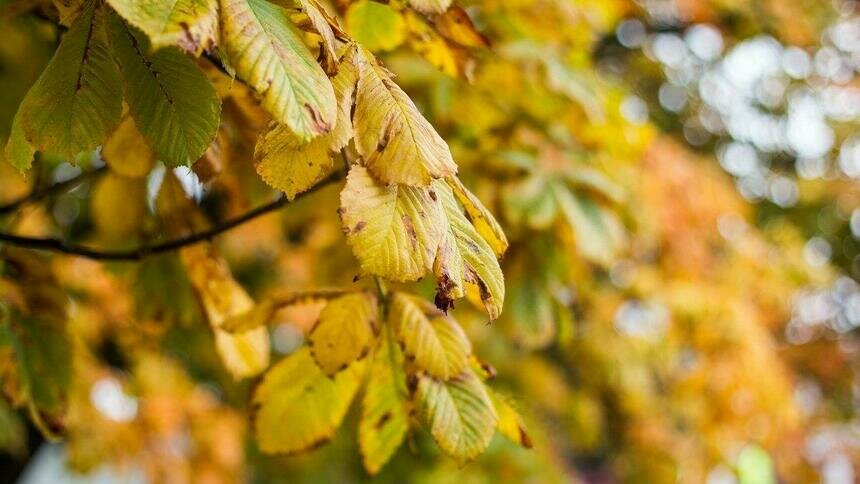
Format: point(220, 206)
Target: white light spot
point(634, 109)
point(108, 398)
point(704, 41)
point(630, 33)
point(817, 252)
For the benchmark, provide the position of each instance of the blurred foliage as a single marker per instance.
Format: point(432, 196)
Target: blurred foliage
point(680, 296)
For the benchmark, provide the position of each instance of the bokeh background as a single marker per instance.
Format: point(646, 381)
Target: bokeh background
point(679, 181)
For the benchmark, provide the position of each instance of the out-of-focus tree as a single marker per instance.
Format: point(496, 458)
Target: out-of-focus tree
point(668, 187)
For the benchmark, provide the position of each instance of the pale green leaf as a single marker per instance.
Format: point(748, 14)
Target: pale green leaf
point(397, 144)
point(298, 407)
point(433, 341)
point(173, 104)
point(344, 332)
point(393, 230)
point(458, 412)
point(376, 26)
point(268, 53)
point(190, 24)
point(77, 100)
point(384, 418)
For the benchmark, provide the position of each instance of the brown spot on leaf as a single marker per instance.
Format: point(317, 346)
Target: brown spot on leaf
point(444, 287)
point(410, 231)
point(359, 227)
point(432, 195)
point(524, 439)
point(382, 420)
point(320, 126)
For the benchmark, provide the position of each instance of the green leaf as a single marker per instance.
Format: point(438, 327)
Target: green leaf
point(344, 333)
point(598, 232)
point(267, 52)
point(299, 408)
point(190, 24)
point(393, 230)
point(173, 104)
point(397, 144)
point(375, 26)
point(18, 151)
point(384, 413)
point(458, 412)
point(466, 263)
point(433, 341)
point(77, 100)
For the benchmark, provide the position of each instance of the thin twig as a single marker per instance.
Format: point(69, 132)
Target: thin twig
point(41, 193)
point(58, 245)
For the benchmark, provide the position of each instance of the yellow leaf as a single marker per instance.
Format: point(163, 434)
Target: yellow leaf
point(243, 354)
point(344, 90)
point(118, 206)
point(384, 412)
point(321, 23)
point(397, 144)
point(289, 164)
point(126, 152)
point(458, 412)
point(456, 25)
point(376, 26)
point(433, 341)
point(510, 423)
point(344, 333)
point(466, 263)
point(268, 53)
point(430, 6)
point(190, 24)
point(479, 216)
point(297, 407)
point(393, 230)
point(261, 314)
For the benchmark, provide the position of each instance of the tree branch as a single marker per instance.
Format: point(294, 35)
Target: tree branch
point(40, 193)
point(58, 245)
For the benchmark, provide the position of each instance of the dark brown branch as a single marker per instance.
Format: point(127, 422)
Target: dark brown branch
point(58, 245)
point(41, 193)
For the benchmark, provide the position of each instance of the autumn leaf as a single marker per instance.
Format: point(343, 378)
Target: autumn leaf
point(397, 143)
point(190, 24)
point(267, 51)
point(77, 100)
point(295, 390)
point(344, 333)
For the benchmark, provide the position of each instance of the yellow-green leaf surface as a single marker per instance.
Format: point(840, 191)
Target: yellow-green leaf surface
point(77, 100)
point(598, 232)
point(173, 104)
point(344, 333)
point(433, 341)
point(126, 152)
point(458, 412)
point(344, 91)
point(298, 407)
point(466, 263)
point(243, 354)
point(398, 145)
point(510, 422)
point(190, 24)
point(287, 163)
point(267, 52)
point(393, 230)
point(376, 26)
point(430, 6)
point(384, 415)
point(319, 19)
point(18, 152)
point(479, 216)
